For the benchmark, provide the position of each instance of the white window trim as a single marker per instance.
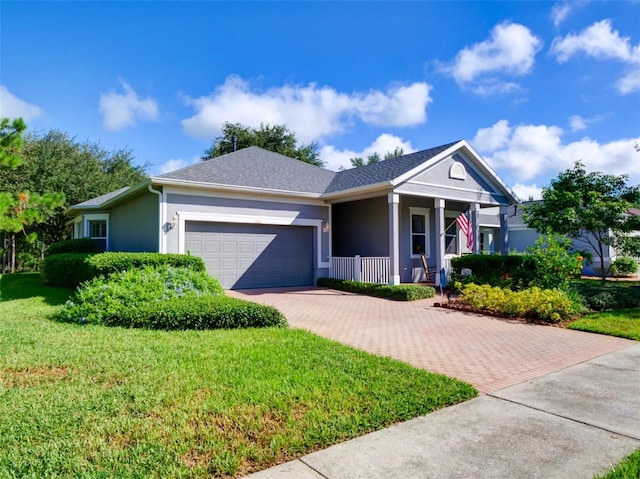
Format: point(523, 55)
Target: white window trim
point(96, 217)
point(427, 246)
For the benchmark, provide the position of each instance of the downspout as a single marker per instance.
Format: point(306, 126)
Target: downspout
point(159, 193)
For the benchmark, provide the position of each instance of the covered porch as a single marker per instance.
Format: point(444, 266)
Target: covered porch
point(399, 238)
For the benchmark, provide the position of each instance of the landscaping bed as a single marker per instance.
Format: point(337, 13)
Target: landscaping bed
point(126, 402)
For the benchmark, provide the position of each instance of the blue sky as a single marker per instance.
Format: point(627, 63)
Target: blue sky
point(534, 86)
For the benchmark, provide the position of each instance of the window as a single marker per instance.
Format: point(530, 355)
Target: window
point(419, 231)
point(97, 228)
point(451, 239)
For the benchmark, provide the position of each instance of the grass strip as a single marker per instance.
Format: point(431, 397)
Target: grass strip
point(624, 323)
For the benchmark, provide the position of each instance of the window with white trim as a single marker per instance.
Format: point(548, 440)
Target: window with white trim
point(97, 228)
point(419, 224)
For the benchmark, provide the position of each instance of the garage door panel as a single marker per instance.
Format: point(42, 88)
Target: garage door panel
point(253, 256)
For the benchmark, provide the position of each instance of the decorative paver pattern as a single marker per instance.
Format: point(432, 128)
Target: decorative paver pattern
point(490, 353)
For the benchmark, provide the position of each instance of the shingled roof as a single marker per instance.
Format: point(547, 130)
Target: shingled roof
point(100, 200)
point(386, 170)
point(259, 168)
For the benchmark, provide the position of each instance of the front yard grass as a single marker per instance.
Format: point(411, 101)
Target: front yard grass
point(624, 323)
point(94, 401)
point(627, 469)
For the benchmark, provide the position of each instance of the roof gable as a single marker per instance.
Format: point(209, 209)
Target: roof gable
point(383, 171)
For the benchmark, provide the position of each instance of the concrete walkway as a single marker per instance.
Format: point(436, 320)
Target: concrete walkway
point(578, 419)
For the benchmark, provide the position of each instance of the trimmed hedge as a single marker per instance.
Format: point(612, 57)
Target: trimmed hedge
point(624, 266)
point(203, 312)
point(79, 245)
point(403, 292)
point(68, 270)
point(519, 270)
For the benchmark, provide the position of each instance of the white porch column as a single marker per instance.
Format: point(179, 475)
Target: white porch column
point(440, 239)
point(475, 227)
point(504, 230)
point(394, 237)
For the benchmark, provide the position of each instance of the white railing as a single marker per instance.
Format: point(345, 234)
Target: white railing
point(369, 269)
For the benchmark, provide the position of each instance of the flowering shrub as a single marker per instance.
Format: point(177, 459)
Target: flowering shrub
point(547, 305)
point(555, 264)
point(100, 299)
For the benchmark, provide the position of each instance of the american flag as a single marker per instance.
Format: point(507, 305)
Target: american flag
point(465, 227)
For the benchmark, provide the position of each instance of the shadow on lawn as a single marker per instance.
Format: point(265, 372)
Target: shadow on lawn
point(29, 285)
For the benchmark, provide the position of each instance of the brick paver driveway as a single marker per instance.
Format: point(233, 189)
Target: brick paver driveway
point(489, 353)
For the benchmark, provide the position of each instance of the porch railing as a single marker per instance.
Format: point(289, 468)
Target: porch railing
point(368, 269)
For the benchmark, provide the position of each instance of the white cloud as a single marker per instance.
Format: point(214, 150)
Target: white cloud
point(175, 164)
point(560, 12)
point(312, 112)
point(121, 110)
point(536, 151)
point(577, 123)
point(524, 192)
point(335, 159)
point(494, 137)
point(601, 42)
point(629, 83)
point(510, 50)
point(13, 107)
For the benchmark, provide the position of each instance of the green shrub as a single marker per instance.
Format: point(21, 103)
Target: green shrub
point(107, 263)
point(548, 265)
point(549, 305)
point(79, 245)
point(404, 292)
point(67, 270)
point(600, 296)
point(201, 312)
point(76, 268)
point(105, 299)
point(624, 267)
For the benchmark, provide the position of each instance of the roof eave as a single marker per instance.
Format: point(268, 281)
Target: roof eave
point(111, 201)
point(359, 190)
point(233, 188)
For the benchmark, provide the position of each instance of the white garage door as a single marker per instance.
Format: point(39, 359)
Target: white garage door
point(253, 256)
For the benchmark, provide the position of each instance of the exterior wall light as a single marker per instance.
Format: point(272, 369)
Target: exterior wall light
point(326, 227)
point(174, 222)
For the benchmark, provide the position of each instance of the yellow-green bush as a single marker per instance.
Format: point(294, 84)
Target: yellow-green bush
point(549, 305)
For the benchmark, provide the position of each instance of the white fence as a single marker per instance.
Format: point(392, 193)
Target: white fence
point(367, 269)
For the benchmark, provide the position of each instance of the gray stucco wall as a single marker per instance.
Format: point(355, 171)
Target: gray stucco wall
point(187, 203)
point(361, 227)
point(133, 226)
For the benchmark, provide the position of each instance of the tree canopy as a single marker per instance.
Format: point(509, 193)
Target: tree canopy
point(57, 166)
point(276, 138)
point(591, 208)
point(375, 158)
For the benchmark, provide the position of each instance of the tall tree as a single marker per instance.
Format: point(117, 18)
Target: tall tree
point(592, 209)
point(276, 138)
point(55, 162)
point(19, 209)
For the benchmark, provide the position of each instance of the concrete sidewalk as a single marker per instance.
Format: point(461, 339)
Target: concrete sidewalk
point(572, 423)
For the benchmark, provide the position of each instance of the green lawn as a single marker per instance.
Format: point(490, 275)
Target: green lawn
point(620, 322)
point(628, 469)
point(92, 401)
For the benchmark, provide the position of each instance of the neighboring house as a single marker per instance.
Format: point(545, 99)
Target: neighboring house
point(260, 219)
point(521, 237)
